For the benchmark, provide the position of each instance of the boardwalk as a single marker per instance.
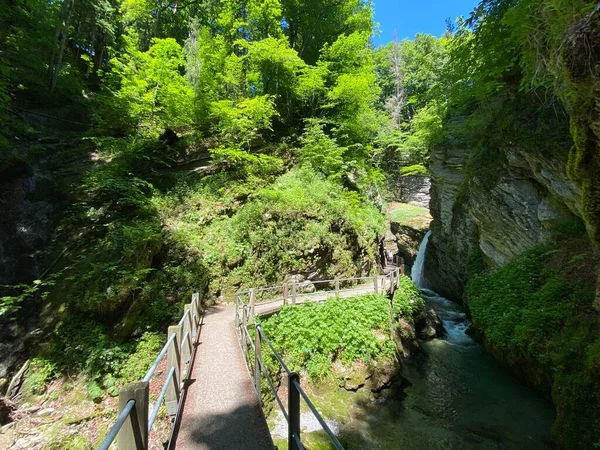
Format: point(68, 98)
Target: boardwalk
point(221, 410)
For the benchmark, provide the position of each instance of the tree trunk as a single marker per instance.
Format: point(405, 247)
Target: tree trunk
point(61, 49)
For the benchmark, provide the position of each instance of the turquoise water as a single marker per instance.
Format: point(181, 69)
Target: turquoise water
point(459, 397)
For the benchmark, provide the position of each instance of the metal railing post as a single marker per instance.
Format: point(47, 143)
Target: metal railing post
point(133, 435)
point(173, 360)
point(257, 373)
point(293, 411)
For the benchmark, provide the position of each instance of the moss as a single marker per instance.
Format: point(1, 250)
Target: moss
point(584, 164)
point(536, 315)
point(476, 262)
point(485, 164)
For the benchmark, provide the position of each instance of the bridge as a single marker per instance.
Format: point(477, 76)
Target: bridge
point(210, 373)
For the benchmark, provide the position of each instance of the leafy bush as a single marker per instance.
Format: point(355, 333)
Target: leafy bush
point(39, 373)
point(321, 152)
point(84, 346)
point(244, 121)
point(148, 91)
point(407, 301)
point(313, 335)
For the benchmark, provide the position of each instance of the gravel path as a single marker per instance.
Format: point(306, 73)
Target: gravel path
point(221, 410)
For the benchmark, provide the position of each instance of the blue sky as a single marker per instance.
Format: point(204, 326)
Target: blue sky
point(409, 17)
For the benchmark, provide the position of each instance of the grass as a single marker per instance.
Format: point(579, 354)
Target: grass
point(410, 215)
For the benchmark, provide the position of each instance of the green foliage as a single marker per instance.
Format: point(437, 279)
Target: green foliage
point(407, 301)
point(539, 319)
point(321, 152)
point(243, 122)
point(40, 372)
point(416, 169)
point(137, 363)
point(12, 303)
point(81, 345)
point(300, 223)
point(148, 91)
point(313, 335)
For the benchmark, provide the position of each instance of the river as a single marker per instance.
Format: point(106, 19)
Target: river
point(459, 397)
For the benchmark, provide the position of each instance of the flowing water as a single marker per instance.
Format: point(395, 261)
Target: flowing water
point(417, 269)
point(459, 397)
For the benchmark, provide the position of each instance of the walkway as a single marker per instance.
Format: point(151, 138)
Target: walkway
point(221, 410)
point(266, 308)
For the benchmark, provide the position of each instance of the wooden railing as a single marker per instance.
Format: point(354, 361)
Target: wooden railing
point(248, 308)
point(135, 419)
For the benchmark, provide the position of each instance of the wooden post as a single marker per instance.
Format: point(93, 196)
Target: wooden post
point(252, 302)
point(375, 284)
point(237, 312)
point(293, 411)
point(243, 330)
point(186, 354)
point(337, 287)
point(257, 373)
point(134, 432)
point(293, 293)
point(173, 360)
point(285, 293)
point(191, 322)
point(196, 298)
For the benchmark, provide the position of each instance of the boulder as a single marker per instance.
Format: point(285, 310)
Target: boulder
point(430, 326)
point(302, 286)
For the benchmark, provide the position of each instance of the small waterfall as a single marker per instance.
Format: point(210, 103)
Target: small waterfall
point(417, 270)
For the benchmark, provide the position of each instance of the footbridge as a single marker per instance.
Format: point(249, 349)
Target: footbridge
point(208, 380)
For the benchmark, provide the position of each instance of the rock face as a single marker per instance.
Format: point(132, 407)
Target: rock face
point(490, 220)
point(413, 189)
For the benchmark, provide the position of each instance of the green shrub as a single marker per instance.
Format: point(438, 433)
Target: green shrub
point(134, 367)
point(313, 335)
point(300, 223)
point(407, 301)
point(40, 372)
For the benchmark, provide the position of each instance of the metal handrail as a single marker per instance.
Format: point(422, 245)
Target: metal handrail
point(275, 353)
point(178, 371)
point(161, 397)
point(273, 390)
point(112, 434)
point(323, 424)
point(158, 359)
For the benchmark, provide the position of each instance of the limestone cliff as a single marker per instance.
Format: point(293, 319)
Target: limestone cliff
point(489, 217)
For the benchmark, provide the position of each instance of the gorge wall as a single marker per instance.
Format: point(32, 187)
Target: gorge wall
point(488, 217)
